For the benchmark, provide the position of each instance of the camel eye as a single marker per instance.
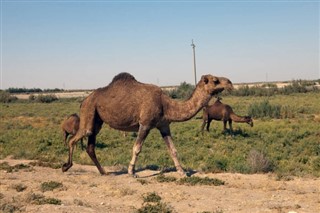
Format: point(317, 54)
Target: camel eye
point(216, 81)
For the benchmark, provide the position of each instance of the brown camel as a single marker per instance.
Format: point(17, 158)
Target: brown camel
point(222, 112)
point(128, 105)
point(70, 126)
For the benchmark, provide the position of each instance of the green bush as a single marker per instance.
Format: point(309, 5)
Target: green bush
point(264, 109)
point(46, 98)
point(184, 91)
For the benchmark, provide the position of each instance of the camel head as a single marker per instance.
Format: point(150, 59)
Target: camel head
point(249, 120)
point(214, 85)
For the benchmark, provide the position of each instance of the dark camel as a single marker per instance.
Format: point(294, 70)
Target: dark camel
point(222, 112)
point(128, 105)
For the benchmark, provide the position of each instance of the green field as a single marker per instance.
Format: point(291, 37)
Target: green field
point(286, 146)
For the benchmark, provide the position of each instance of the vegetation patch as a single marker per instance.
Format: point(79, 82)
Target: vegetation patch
point(19, 187)
point(200, 181)
point(152, 203)
point(142, 181)
point(162, 178)
point(39, 199)
point(152, 197)
point(7, 207)
point(290, 144)
point(50, 186)
point(52, 165)
point(5, 166)
point(258, 162)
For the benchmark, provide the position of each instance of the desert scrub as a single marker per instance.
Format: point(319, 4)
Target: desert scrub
point(152, 203)
point(162, 178)
point(5, 166)
point(19, 187)
point(39, 199)
point(151, 197)
point(258, 162)
point(200, 181)
point(50, 186)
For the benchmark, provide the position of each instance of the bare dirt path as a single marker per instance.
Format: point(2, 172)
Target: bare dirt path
point(84, 190)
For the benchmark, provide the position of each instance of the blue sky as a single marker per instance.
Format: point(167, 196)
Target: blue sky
point(83, 44)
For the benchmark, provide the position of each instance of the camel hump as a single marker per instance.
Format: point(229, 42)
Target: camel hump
point(124, 76)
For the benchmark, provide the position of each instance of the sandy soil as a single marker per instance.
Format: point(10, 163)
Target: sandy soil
point(84, 190)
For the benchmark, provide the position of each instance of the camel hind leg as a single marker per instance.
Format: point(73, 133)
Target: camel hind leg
point(65, 137)
point(72, 143)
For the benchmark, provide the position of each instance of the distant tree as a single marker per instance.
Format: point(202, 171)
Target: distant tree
point(6, 97)
point(184, 91)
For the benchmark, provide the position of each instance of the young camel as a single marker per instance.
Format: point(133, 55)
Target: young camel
point(222, 112)
point(70, 126)
point(128, 105)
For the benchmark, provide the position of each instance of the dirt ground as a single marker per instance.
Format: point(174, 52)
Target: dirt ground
point(84, 190)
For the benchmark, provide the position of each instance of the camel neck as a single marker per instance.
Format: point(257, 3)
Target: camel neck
point(237, 118)
point(178, 111)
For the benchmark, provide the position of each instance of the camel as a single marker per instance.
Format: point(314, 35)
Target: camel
point(128, 105)
point(70, 126)
point(222, 112)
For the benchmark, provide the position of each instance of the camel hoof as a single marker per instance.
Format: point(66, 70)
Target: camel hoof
point(133, 175)
point(65, 167)
point(183, 173)
point(104, 173)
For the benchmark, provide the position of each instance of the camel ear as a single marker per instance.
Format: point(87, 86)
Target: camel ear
point(205, 79)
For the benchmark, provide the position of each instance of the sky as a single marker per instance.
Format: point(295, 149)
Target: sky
point(83, 44)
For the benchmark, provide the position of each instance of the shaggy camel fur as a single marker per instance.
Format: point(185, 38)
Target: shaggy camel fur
point(70, 126)
point(128, 105)
point(222, 112)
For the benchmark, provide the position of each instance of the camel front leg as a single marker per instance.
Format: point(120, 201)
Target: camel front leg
point(166, 135)
point(91, 152)
point(142, 134)
point(208, 124)
point(224, 126)
point(230, 126)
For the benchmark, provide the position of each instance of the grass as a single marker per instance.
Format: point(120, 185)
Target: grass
point(192, 181)
point(5, 166)
point(50, 186)
point(162, 178)
point(39, 199)
point(152, 203)
point(289, 145)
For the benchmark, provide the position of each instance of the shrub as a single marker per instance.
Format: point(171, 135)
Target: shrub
point(264, 109)
point(50, 186)
point(162, 178)
point(5, 97)
point(184, 91)
point(201, 181)
point(152, 203)
point(46, 98)
point(152, 197)
point(258, 162)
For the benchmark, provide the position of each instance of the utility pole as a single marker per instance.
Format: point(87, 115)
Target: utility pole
point(194, 62)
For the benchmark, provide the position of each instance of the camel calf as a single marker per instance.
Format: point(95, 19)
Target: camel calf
point(70, 126)
point(222, 112)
